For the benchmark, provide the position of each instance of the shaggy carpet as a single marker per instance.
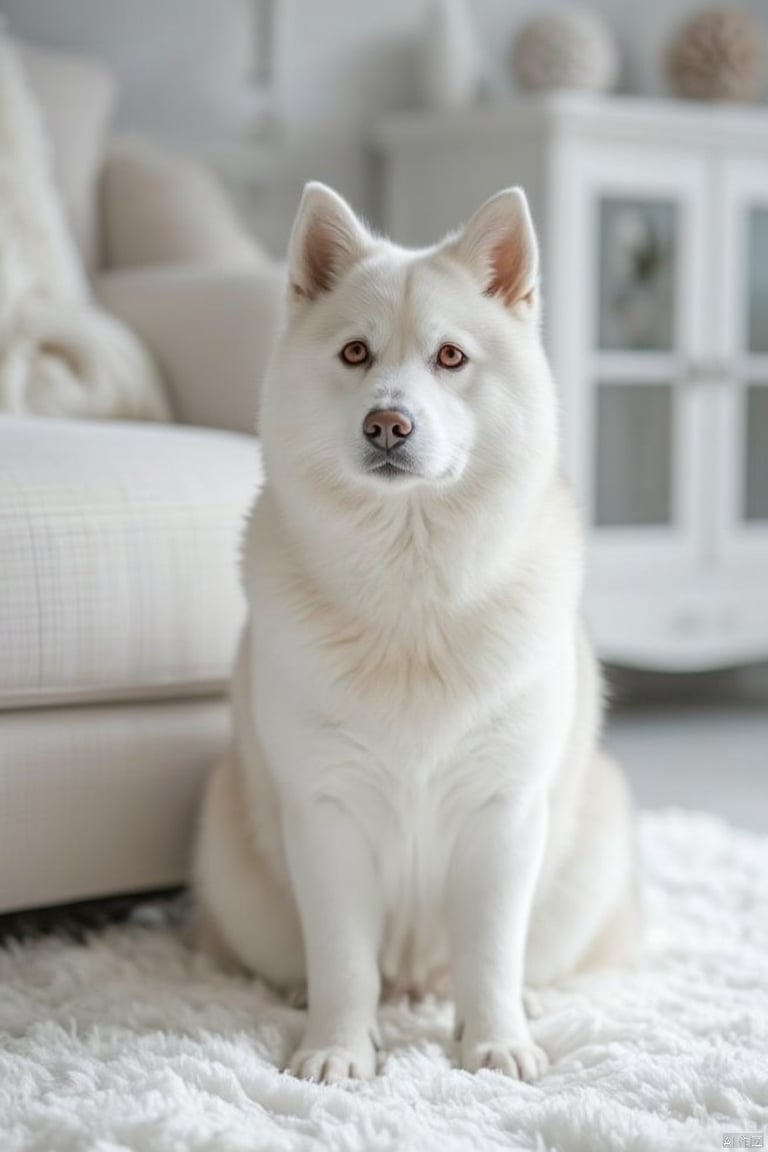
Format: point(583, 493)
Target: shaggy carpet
point(128, 1041)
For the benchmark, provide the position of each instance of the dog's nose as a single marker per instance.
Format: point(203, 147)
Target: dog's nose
point(387, 428)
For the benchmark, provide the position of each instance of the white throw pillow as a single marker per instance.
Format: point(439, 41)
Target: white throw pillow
point(76, 96)
point(59, 355)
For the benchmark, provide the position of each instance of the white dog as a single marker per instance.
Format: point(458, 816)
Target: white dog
point(414, 788)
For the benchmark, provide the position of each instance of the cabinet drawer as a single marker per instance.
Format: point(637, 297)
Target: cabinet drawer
point(680, 631)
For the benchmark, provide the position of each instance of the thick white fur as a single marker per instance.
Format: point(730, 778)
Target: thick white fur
point(414, 792)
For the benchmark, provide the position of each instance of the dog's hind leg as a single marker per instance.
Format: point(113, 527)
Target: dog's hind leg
point(589, 917)
point(245, 914)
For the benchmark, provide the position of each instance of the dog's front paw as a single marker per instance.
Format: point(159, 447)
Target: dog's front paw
point(335, 1063)
point(520, 1059)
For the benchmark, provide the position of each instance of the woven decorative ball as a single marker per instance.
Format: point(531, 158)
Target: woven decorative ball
point(572, 48)
point(717, 55)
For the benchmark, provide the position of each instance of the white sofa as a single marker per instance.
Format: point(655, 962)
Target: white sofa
point(119, 596)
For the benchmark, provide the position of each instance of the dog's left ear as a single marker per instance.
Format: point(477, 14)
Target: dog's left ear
point(326, 240)
point(499, 247)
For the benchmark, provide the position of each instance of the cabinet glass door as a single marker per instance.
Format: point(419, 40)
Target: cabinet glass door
point(634, 434)
point(756, 275)
point(634, 415)
point(637, 274)
point(642, 250)
point(755, 476)
point(743, 399)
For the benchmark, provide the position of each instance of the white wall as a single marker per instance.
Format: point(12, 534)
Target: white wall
point(180, 64)
point(185, 68)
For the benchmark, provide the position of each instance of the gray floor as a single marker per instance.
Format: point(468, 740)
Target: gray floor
point(707, 755)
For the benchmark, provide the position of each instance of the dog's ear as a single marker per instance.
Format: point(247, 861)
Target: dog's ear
point(326, 240)
point(499, 247)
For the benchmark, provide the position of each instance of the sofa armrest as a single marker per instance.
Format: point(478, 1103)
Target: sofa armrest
point(210, 330)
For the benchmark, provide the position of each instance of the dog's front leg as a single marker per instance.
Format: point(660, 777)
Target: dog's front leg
point(335, 883)
point(491, 883)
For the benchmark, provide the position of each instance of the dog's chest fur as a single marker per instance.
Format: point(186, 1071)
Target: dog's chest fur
point(400, 663)
point(413, 714)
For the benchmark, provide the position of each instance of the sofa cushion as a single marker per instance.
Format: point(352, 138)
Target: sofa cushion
point(210, 330)
point(119, 547)
point(76, 96)
point(163, 209)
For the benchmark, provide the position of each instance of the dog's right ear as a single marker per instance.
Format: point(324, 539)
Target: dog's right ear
point(326, 240)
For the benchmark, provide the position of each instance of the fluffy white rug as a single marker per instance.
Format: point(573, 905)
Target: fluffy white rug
point(59, 354)
point(133, 1043)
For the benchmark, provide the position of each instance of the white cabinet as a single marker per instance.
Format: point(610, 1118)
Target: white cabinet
point(653, 218)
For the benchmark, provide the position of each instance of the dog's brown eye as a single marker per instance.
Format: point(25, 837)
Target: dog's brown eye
point(449, 356)
point(356, 352)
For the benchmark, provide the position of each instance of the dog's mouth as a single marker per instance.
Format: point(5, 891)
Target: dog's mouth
point(389, 468)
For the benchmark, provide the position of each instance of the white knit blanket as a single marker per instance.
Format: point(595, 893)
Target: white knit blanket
point(132, 1042)
point(59, 354)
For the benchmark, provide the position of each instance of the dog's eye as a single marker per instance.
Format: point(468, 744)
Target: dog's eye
point(450, 356)
point(355, 353)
